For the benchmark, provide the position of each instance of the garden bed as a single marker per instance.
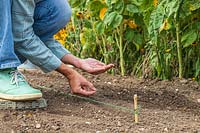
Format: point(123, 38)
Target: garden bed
point(164, 106)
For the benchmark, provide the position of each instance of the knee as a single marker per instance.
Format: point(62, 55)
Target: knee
point(65, 17)
point(51, 16)
point(64, 12)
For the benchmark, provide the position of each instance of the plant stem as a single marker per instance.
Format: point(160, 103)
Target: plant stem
point(159, 67)
point(121, 50)
point(178, 41)
point(179, 50)
point(104, 50)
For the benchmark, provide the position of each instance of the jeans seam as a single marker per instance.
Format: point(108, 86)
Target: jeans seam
point(20, 13)
point(9, 65)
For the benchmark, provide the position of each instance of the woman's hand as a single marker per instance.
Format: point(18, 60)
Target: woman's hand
point(89, 65)
point(94, 66)
point(78, 84)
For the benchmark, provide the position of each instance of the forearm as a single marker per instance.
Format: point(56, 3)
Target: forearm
point(56, 48)
point(35, 51)
point(26, 42)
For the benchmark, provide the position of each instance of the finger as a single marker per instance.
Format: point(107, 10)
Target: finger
point(89, 86)
point(86, 92)
point(101, 69)
point(87, 89)
point(95, 62)
point(83, 91)
point(97, 70)
point(108, 66)
point(105, 66)
point(100, 63)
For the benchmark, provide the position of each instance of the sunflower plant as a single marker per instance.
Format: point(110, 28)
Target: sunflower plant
point(155, 38)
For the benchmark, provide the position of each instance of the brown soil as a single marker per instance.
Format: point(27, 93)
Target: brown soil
point(165, 106)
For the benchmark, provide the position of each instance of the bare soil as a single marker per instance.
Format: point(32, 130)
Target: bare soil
point(164, 106)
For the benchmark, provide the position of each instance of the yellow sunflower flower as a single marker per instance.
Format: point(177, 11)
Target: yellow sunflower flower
point(102, 13)
point(155, 3)
point(132, 24)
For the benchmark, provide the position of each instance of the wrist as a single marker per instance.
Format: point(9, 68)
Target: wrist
point(72, 60)
point(66, 71)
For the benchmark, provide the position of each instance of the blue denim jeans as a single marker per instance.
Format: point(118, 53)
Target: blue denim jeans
point(34, 24)
point(8, 58)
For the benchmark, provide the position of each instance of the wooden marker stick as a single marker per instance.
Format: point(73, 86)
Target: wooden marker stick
point(135, 108)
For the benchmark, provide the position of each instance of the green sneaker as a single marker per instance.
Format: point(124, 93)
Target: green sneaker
point(13, 86)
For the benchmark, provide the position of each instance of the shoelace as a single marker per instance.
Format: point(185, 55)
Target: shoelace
point(16, 77)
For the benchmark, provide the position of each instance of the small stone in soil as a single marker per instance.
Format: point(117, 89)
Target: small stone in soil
point(12, 131)
point(119, 124)
point(38, 126)
point(141, 129)
point(55, 128)
point(184, 81)
point(109, 83)
point(23, 124)
point(166, 130)
point(88, 123)
point(198, 100)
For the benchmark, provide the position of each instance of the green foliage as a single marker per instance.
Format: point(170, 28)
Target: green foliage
point(142, 37)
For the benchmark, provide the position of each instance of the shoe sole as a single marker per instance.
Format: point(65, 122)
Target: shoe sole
point(25, 97)
point(19, 105)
